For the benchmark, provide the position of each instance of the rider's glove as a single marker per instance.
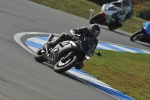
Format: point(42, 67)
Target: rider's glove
point(87, 57)
point(75, 37)
point(83, 30)
point(72, 32)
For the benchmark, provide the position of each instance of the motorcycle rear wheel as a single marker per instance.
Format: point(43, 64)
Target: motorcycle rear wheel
point(112, 28)
point(61, 67)
point(39, 55)
point(95, 19)
point(136, 36)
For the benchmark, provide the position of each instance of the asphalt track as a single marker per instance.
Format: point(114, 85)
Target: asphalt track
point(21, 78)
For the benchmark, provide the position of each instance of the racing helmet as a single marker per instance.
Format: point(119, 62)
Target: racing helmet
point(94, 30)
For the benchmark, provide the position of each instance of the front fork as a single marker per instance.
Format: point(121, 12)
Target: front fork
point(50, 37)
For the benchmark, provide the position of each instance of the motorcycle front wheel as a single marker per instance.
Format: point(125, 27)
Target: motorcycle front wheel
point(60, 66)
point(136, 36)
point(39, 55)
point(95, 19)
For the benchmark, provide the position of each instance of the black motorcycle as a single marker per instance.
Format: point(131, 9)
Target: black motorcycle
point(65, 55)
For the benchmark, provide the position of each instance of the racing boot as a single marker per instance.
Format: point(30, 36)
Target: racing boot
point(61, 37)
point(119, 24)
point(79, 65)
point(49, 44)
point(52, 44)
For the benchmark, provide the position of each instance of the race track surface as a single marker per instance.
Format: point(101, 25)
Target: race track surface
point(21, 77)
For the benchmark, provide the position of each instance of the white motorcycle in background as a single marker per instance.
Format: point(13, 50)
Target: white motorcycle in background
point(108, 16)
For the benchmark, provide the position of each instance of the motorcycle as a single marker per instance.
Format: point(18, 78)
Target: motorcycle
point(63, 56)
point(142, 35)
point(108, 16)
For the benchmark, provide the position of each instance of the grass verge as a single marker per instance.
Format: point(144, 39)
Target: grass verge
point(127, 72)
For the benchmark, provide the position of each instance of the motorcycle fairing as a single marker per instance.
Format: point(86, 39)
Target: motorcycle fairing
point(102, 16)
point(146, 27)
point(109, 10)
point(61, 49)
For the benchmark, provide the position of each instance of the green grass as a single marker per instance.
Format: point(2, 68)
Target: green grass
point(132, 25)
point(127, 72)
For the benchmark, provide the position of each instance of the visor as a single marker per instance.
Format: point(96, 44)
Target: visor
point(94, 33)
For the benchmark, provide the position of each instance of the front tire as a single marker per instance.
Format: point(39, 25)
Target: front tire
point(60, 67)
point(95, 19)
point(136, 36)
point(39, 55)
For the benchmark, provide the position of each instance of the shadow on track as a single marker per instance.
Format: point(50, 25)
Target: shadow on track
point(146, 45)
point(117, 32)
point(66, 74)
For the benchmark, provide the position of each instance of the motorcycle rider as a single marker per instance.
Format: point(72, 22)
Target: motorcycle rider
point(93, 31)
point(125, 11)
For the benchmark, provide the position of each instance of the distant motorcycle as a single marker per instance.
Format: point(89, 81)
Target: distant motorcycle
point(65, 55)
point(142, 35)
point(108, 16)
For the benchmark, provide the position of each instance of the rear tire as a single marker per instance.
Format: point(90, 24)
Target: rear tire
point(39, 56)
point(62, 68)
point(95, 19)
point(111, 28)
point(136, 36)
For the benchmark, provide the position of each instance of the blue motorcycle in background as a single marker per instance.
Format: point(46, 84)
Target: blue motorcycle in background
point(142, 35)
